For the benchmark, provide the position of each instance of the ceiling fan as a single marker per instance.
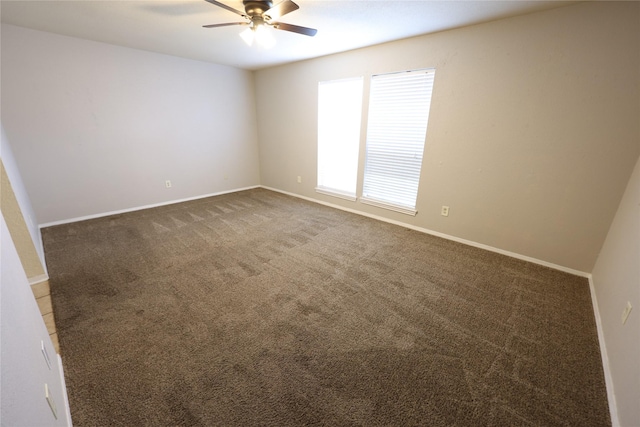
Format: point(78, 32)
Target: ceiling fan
point(262, 14)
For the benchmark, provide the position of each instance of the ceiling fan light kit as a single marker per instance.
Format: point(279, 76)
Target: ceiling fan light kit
point(259, 34)
point(262, 14)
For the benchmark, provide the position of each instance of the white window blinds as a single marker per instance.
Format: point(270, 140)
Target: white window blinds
point(339, 118)
point(396, 131)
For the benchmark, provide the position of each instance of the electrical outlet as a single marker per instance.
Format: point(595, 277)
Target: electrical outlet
point(626, 312)
point(167, 184)
point(299, 179)
point(444, 211)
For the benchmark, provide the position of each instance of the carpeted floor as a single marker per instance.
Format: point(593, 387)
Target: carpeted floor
point(259, 309)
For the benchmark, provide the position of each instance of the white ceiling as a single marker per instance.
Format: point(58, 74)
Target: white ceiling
point(174, 27)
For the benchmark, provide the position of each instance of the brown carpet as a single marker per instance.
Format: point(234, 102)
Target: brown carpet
point(259, 309)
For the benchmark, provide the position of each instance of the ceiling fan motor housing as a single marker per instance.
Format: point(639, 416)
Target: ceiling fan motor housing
point(256, 8)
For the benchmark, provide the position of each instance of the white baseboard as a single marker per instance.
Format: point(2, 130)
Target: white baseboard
point(608, 379)
point(67, 407)
point(38, 279)
point(40, 251)
point(138, 208)
point(442, 235)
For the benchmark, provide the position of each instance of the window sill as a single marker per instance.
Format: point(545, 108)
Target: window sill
point(384, 205)
point(335, 193)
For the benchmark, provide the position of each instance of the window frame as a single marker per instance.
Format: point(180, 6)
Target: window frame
point(376, 163)
point(355, 128)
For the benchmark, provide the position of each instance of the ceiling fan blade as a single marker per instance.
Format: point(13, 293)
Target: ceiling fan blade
point(281, 9)
point(295, 29)
point(224, 6)
point(224, 25)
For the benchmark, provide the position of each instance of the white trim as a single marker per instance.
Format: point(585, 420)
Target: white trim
point(438, 234)
point(390, 206)
point(608, 378)
point(38, 279)
point(139, 208)
point(336, 193)
point(67, 408)
point(44, 256)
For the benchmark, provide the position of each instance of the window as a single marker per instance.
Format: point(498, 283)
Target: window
point(339, 118)
point(396, 131)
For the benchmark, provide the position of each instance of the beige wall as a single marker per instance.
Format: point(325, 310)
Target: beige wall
point(616, 279)
point(18, 228)
point(533, 131)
